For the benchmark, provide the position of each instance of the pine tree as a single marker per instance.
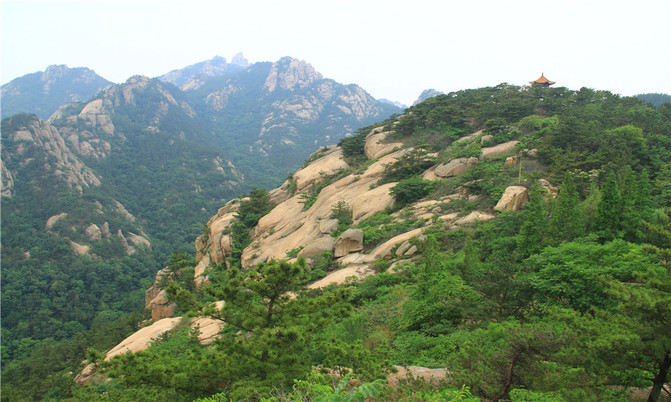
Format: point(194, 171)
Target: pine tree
point(566, 223)
point(608, 219)
point(532, 233)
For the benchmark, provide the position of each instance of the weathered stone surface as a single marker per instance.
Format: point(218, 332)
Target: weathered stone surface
point(317, 247)
point(402, 248)
point(7, 181)
point(141, 339)
point(138, 240)
point(348, 242)
point(93, 232)
point(328, 226)
point(209, 329)
point(79, 249)
point(341, 275)
point(161, 307)
point(314, 172)
point(455, 167)
point(486, 138)
point(511, 161)
point(509, 147)
point(474, 216)
point(430, 375)
point(375, 148)
point(384, 249)
point(54, 220)
point(513, 198)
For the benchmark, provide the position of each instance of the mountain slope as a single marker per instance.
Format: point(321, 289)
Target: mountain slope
point(42, 93)
point(481, 226)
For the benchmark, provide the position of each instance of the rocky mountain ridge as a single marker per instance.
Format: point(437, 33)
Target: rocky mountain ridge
point(42, 93)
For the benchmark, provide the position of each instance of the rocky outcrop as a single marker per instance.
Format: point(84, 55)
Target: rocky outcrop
point(37, 137)
point(506, 148)
point(317, 247)
point(432, 376)
point(375, 147)
point(288, 73)
point(328, 165)
point(7, 181)
point(340, 276)
point(350, 241)
point(473, 217)
point(161, 307)
point(54, 220)
point(455, 167)
point(513, 198)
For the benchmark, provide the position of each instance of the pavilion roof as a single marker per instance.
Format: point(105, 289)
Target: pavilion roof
point(542, 80)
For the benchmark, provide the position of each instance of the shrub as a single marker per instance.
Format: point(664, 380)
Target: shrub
point(411, 190)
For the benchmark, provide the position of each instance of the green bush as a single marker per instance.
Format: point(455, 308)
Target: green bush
point(411, 190)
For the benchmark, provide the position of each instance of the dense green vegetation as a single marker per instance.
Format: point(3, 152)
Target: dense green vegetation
point(568, 299)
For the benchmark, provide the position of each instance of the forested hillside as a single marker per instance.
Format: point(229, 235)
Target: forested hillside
point(518, 237)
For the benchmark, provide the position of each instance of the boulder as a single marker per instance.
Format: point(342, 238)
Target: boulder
point(511, 161)
point(486, 138)
point(474, 216)
point(93, 232)
point(318, 246)
point(348, 242)
point(384, 249)
point(341, 275)
point(455, 167)
point(161, 307)
point(512, 199)
point(506, 148)
point(430, 375)
point(54, 220)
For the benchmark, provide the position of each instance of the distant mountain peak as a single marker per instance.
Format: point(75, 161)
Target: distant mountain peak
point(288, 73)
point(240, 60)
point(58, 85)
point(426, 94)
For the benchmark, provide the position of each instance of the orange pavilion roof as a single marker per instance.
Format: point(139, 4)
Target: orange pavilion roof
point(542, 80)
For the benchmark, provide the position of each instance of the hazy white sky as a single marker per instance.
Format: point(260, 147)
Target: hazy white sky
point(392, 48)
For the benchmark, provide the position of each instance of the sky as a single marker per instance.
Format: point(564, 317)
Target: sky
point(393, 49)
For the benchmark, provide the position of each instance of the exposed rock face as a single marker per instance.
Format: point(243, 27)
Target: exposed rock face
point(455, 167)
point(374, 147)
point(54, 220)
point(7, 181)
point(341, 275)
point(327, 165)
point(143, 338)
point(93, 232)
point(161, 307)
point(474, 216)
point(36, 137)
point(317, 247)
point(288, 73)
point(430, 375)
point(509, 147)
point(348, 242)
point(513, 198)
